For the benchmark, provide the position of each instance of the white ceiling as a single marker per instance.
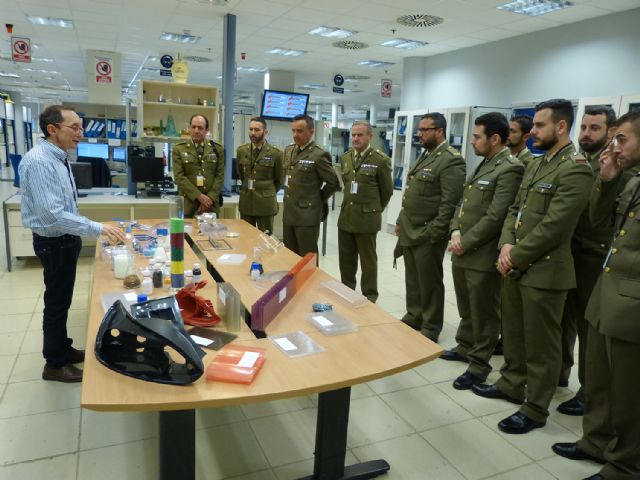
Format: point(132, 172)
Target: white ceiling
point(133, 27)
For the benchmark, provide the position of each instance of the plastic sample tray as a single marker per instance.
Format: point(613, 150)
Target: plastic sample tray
point(296, 344)
point(331, 323)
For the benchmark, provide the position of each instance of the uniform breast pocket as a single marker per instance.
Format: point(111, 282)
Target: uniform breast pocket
point(540, 198)
point(486, 191)
point(425, 182)
point(266, 162)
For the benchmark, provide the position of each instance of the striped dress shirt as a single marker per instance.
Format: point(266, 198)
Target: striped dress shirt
point(49, 203)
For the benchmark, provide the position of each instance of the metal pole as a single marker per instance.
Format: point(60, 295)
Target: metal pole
point(228, 90)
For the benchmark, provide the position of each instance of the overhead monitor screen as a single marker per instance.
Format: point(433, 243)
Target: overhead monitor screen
point(278, 105)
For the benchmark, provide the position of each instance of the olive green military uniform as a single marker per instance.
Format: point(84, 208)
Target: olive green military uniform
point(196, 170)
point(611, 423)
point(305, 199)
point(434, 188)
point(260, 169)
point(589, 247)
point(486, 198)
point(367, 189)
point(525, 156)
point(540, 223)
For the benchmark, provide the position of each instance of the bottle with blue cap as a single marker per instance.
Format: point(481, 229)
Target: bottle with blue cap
point(256, 270)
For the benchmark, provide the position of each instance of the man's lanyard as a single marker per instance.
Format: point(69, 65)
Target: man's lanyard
point(73, 185)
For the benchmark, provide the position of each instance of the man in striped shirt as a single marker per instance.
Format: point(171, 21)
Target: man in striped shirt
point(50, 210)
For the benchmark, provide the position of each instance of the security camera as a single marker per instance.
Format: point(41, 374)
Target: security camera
point(9, 27)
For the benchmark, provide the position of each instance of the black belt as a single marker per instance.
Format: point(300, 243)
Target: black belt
point(66, 236)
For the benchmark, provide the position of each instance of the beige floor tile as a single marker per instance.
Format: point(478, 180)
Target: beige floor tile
point(286, 438)
point(535, 444)
point(38, 436)
point(399, 381)
point(297, 470)
point(18, 305)
point(257, 410)
point(261, 475)
point(38, 396)
point(475, 449)
point(562, 468)
point(571, 423)
point(135, 460)
point(227, 451)
point(214, 417)
point(6, 365)
point(28, 366)
point(410, 458)
point(102, 429)
point(425, 407)
point(62, 467)
point(363, 430)
point(15, 323)
point(440, 370)
point(10, 343)
point(33, 339)
point(528, 472)
point(14, 291)
point(476, 405)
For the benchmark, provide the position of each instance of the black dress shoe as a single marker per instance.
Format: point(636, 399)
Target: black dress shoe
point(498, 350)
point(76, 356)
point(573, 452)
point(519, 423)
point(491, 391)
point(466, 381)
point(453, 356)
point(574, 407)
point(66, 374)
point(597, 476)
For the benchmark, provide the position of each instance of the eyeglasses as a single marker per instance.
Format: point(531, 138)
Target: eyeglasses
point(427, 129)
point(75, 128)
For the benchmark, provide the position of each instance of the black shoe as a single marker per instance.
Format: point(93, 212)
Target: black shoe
point(573, 407)
point(76, 356)
point(453, 356)
point(66, 374)
point(466, 381)
point(563, 383)
point(491, 391)
point(519, 423)
point(498, 350)
point(572, 451)
point(597, 476)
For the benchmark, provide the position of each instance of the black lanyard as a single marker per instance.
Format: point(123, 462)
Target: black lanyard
point(73, 185)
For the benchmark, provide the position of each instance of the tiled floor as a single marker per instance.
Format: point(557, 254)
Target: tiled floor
point(415, 420)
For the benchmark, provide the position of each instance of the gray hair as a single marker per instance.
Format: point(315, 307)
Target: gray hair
point(365, 124)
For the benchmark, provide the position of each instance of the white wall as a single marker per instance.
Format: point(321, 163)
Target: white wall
point(590, 58)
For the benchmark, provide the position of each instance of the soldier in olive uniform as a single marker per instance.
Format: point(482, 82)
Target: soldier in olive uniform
point(476, 227)
point(611, 422)
point(535, 259)
point(589, 248)
point(306, 167)
point(366, 175)
point(519, 132)
point(198, 169)
point(260, 169)
point(434, 187)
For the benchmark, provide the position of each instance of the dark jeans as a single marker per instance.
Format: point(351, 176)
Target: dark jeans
point(59, 257)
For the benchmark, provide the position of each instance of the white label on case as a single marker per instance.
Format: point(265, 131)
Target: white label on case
point(282, 295)
point(323, 321)
point(248, 359)
point(285, 344)
point(205, 342)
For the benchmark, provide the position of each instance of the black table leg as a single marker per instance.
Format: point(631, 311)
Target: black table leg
point(331, 442)
point(177, 445)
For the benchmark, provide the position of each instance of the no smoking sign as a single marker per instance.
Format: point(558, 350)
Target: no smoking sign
point(21, 49)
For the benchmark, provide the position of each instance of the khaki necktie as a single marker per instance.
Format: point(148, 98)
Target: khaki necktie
point(357, 160)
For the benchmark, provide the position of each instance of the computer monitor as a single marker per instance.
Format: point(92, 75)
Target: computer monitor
point(146, 169)
point(96, 150)
point(119, 154)
point(82, 174)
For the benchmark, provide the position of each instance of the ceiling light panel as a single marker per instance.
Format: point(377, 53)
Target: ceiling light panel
point(50, 21)
point(179, 37)
point(252, 69)
point(403, 43)
point(375, 63)
point(533, 8)
point(8, 75)
point(285, 52)
point(332, 32)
